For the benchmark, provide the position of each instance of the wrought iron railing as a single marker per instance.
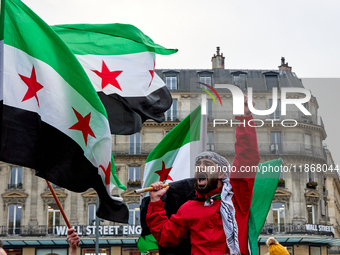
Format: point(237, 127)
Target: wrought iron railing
point(291, 228)
point(15, 186)
point(221, 113)
point(60, 231)
point(229, 149)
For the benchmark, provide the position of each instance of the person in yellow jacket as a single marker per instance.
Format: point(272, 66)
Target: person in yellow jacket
point(275, 248)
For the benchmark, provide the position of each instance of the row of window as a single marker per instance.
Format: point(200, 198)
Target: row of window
point(275, 143)
point(172, 112)
point(239, 79)
point(54, 216)
point(279, 216)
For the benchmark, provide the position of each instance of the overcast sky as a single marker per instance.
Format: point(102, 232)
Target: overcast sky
point(251, 34)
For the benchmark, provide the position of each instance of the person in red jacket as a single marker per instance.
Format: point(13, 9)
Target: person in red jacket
point(218, 219)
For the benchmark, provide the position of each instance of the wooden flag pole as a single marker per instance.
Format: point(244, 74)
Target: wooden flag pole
point(138, 191)
point(59, 205)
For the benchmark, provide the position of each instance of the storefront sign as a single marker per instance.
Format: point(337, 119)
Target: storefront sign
point(121, 230)
point(320, 228)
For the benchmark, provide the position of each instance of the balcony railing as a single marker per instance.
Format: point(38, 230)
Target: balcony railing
point(15, 186)
point(136, 149)
point(60, 231)
point(229, 149)
point(290, 228)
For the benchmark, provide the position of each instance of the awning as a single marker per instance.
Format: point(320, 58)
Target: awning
point(59, 242)
point(302, 239)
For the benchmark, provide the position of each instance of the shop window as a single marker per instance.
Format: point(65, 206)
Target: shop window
point(314, 250)
point(14, 219)
point(53, 218)
point(92, 214)
point(13, 251)
point(92, 251)
point(135, 251)
point(290, 249)
point(134, 214)
point(51, 251)
point(135, 144)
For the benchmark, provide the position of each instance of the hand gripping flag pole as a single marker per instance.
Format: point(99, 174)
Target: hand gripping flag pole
point(138, 191)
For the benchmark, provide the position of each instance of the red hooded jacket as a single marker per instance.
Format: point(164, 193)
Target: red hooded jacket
point(204, 223)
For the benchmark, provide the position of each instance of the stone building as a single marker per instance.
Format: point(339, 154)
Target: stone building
point(304, 214)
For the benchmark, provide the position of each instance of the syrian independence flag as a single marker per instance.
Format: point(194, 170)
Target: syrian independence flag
point(52, 119)
point(120, 62)
point(172, 158)
point(182, 191)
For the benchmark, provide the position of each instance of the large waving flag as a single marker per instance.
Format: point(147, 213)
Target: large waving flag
point(120, 62)
point(52, 119)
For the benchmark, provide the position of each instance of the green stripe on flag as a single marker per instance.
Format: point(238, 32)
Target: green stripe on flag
point(33, 30)
point(105, 37)
point(263, 192)
point(2, 8)
point(147, 243)
point(115, 180)
point(182, 132)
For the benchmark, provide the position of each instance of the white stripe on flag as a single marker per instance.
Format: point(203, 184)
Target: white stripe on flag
point(135, 71)
point(56, 100)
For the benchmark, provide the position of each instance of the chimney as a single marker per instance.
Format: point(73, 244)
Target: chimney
point(217, 60)
point(284, 66)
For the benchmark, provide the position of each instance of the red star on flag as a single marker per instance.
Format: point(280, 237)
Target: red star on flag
point(83, 125)
point(152, 72)
point(164, 173)
point(33, 86)
point(107, 172)
point(108, 77)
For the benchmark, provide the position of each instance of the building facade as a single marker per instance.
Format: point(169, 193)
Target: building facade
point(305, 211)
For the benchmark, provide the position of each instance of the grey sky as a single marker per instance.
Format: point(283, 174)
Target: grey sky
point(251, 34)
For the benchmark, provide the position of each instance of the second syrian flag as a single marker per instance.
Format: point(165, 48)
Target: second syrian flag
point(120, 62)
point(52, 119)
point(172, 158)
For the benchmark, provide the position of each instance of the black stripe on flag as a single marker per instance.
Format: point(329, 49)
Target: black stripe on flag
point(127, 114)
point(28, 141)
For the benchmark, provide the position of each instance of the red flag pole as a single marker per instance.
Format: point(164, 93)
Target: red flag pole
point(58, 203)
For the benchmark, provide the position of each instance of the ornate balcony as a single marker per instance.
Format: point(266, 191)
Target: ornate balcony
point(298, 229)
